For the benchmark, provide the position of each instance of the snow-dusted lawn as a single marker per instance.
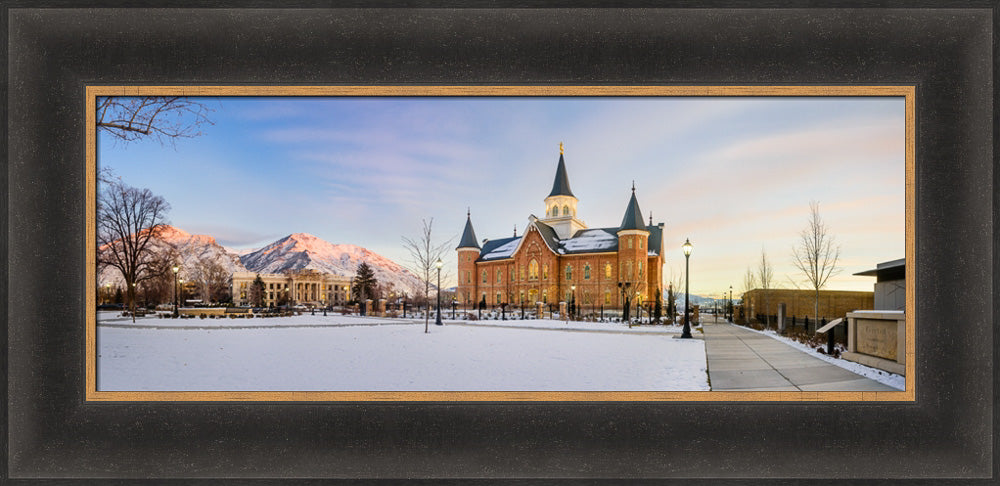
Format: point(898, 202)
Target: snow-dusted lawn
point(340, 353)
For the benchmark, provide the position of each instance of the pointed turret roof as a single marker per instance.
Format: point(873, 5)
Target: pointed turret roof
point(469, 235)
point(560, 186)
point(633, 215)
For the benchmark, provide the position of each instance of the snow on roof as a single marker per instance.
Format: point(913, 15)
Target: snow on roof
point(503, 251)
point(590, 241)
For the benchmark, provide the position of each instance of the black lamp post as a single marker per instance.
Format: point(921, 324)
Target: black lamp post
point(175, 269)
point(572, 302)
point(730, 303)
point(623, 286)
point(437, 321)
point(687, 289)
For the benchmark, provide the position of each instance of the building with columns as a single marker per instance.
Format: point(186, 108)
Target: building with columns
point(559, 252)
point(305, 286)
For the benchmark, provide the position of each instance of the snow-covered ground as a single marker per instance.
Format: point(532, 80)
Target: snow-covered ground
point(348, 353)
point(891, 379)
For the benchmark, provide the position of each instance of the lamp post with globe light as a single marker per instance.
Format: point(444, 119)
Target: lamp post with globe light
point(175, 269)
point(437, 321)
point(687, 289)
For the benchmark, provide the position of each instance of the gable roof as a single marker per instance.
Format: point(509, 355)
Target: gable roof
point(560, 186)
point(591, 240)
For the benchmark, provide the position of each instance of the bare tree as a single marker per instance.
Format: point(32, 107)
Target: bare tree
point(130, 118)
point(749, 283)
point(816, 255)
point(424, 254)
point(129, 219)
point(765, 277)
point(211, 279)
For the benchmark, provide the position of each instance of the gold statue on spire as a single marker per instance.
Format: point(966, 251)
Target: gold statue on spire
point(560, 148)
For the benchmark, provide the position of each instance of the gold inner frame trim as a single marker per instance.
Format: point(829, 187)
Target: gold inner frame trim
point(90, 343)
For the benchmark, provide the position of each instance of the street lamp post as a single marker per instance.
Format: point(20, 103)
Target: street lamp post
point(687, 289)
point(437, 321)
point(572, 302)
point(730, 312)
point(638, 306)
point(175, 269)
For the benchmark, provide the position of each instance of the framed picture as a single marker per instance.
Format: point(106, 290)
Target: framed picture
point(63, 424)
point(607, 323)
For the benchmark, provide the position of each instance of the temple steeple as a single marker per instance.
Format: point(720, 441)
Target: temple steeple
point(560, 205)
point(633, 215)
point(560, 186)
point(469, 235)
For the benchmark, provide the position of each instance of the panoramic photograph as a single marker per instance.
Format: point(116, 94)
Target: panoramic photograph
point(500, 244)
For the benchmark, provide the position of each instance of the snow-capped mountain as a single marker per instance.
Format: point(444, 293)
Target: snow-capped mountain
point(304, 251)
point(293, 252)
point(190, 250)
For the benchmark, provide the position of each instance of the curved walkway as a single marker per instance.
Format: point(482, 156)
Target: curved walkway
point(743, 360)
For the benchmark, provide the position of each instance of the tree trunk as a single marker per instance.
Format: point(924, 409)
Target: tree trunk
point(130, 292)
point(816, 306)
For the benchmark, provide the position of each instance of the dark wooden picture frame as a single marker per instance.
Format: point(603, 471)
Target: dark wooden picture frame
point(54, 432)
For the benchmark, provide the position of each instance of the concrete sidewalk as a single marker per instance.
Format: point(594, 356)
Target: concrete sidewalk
point(742, 360)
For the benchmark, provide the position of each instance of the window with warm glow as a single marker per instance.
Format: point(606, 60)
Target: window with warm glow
point(533, 270)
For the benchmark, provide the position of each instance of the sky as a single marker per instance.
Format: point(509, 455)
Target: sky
point(735, 175)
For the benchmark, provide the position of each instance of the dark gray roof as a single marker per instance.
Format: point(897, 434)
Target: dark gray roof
point(468, 236)
point(633, 216)
point(498, 249)
point(655, 239)
point(891, 270)
point(590, 240)
point(549, 235)
point(560, 186)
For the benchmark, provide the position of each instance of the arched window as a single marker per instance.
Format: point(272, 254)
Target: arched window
point(499, 276)
point(521, 295)
point(607, 270)
point(569, 272)
point(640, 243)
point(607, 298)
point(586, 272)
point(521, 271)
point(484, 277)
point(630, 243)
point(565, 210)
point(499, 298)
point(628, 270)
point(468, 278)
point(545, 271)
point(545, 296)
point(640, 269)
point(533, 270)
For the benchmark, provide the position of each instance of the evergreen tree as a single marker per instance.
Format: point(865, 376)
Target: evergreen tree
point(257, 292)
point(658, 308)
point(364, 283)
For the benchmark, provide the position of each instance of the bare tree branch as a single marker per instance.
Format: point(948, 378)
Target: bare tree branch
point(128, 220)
point(765, 277)
point(165, 118)
point(816, 255)
point(424, 254)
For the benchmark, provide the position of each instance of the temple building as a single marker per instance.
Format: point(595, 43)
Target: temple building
point(559, 253)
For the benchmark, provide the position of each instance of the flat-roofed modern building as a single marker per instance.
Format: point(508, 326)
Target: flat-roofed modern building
point(890, 284)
